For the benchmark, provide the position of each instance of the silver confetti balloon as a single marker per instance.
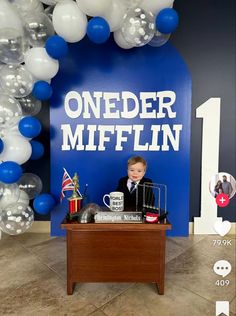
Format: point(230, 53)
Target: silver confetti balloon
point(49, 11)
point(10, 111)
point(131, 3)
point(159, 39)
point(50, 2)
point(30, 106)
point(16, 80)
point(23, 198)
point(138, 27)
point(16, 218)
point(13, 45)
point(9, 194)
point(31, 184)
point(10, 130)
point(24, 7)
point(38, 28)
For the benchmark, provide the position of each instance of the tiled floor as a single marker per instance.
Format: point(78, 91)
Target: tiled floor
point(33, 281)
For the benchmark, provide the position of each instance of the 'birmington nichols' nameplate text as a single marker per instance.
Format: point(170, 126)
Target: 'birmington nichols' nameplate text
point(118, 217)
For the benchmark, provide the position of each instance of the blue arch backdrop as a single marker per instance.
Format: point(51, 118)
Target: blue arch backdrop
point(107, 68)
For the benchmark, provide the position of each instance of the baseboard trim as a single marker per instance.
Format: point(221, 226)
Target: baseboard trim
point(44, 227)
point(231, 232)
point(40, 227)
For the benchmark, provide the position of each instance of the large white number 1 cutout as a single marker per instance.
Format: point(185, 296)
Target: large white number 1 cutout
point(210, 113)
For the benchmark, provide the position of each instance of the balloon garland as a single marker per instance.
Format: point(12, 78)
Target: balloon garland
point(29, 58)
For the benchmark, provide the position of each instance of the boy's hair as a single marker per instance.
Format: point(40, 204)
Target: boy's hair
point(135, 159)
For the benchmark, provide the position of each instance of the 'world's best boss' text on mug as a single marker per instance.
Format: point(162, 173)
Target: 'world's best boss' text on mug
point(116, 201)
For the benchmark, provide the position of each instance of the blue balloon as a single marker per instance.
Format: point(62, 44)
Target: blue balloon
point(29, 126)
point(42, 90)
point(98, 30)
point(167, 21)
point(1, 145)
point(37, 150)
point(10, 172)
point(43, 203)
point(56, 47)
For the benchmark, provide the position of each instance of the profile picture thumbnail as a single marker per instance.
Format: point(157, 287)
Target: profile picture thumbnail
point(222, 182)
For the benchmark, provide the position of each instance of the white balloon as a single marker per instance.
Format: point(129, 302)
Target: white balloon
point(93, 7)
point(155, 6)
point(40, 64)
point(69, 22)
point(9, 17)
point(114, 16)
point(120, 41)
point(16, 149)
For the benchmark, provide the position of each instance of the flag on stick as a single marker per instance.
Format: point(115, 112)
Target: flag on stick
point(67, 184)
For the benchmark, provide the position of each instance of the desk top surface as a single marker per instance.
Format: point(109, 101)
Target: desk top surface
point(74, 225)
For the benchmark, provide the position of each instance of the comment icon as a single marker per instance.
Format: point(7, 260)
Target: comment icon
point(222, 268)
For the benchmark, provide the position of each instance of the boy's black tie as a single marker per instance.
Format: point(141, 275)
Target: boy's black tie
point(132, 188)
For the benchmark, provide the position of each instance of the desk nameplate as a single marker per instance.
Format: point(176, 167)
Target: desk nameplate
point(118, 217)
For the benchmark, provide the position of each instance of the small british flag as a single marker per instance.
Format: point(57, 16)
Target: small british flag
point(67, 184)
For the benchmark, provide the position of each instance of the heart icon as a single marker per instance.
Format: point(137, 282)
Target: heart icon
point(222, 228)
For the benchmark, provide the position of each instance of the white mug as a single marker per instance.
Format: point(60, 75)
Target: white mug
point(116, 201)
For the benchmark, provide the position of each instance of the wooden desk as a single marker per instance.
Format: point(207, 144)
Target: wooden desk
point(115, 253)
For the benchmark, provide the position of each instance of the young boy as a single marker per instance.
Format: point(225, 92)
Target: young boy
point(137, 167)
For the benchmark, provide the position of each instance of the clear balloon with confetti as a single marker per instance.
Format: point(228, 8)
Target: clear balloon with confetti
point(138, 27)
point(16, 218)
point(30, 105)
point(24, 7)
point(10, 111)
point(13, 45)
point(31, 184)
point(38, 28)
point(9, 194)
point(159, 39)
point(16, 80)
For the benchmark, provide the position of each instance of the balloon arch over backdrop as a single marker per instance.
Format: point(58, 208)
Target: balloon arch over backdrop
point(29, 58)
